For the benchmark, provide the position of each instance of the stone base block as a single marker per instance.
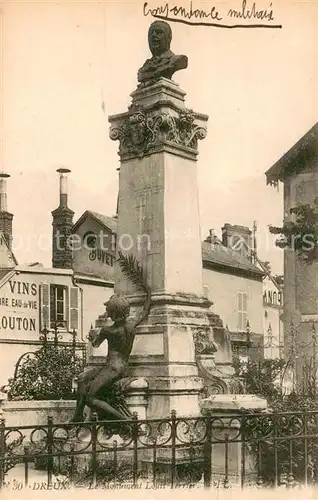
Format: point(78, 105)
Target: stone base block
point(227, 449)
point(137, 397)
point(232, 403)
point(180, 394)
point(165, 353)
point(161, 473)
point(32, 413)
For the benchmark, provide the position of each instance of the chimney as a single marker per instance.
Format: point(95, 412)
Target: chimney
point(211, 238)
point(238, 239)
point(62, 256)
point(5, 216)
point(254, 242)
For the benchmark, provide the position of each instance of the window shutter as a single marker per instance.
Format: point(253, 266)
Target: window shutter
point(242, 310)
point(239, 301)
point(74, 308)
point(45, 306)
point(244, 300)
point(244, 321)
point(240, 321)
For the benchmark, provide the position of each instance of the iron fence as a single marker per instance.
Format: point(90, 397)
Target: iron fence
point(260, 449)
point(58, 340)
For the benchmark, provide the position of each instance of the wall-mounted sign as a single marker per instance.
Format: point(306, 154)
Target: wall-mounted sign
point(17, 323)
point(272, 298)
point(101, 256)
point(19, 308)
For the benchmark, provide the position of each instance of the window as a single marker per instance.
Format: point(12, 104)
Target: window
point(275, 298)
point(241, 311)
point(58, 309)
point(244, 359)
point(90, 239)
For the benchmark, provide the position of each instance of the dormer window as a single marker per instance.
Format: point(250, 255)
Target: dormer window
point(90, 239)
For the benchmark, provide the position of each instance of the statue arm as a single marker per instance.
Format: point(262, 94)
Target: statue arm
point(98, 336)
point(146, 307)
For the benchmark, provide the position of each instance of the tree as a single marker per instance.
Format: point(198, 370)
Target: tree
point(46, 374)
point(261, 377)
point(301, 234)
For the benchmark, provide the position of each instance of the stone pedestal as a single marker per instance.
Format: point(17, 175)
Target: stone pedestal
point(226, 411)
point(158, 222)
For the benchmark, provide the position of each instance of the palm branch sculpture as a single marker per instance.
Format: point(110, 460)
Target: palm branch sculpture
point(133, 271)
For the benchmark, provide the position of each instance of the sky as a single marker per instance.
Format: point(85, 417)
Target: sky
point(67, 65)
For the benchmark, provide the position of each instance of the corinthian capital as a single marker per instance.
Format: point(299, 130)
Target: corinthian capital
point(143, 131)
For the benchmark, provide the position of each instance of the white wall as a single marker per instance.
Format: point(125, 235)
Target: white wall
point(271, 317)
point(20, 312)
point(222, 292)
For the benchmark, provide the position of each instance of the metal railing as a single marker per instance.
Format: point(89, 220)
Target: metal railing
point(58, 340)
point(261, 449)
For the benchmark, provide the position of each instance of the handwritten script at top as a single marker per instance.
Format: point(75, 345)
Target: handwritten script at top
point(246, 15)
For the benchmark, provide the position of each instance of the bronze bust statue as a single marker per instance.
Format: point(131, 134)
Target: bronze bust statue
point(164, 63)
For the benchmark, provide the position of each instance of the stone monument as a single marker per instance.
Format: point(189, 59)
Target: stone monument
point(180, 345)
point(158, 222)
point(180, 350)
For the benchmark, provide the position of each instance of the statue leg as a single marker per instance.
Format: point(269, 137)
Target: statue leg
point(106, 408)
point(82, 389)
point(106, 377)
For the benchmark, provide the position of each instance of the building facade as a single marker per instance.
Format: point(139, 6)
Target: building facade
point(273, 326)
point(34, 298)
point(298, 171)
point(234, 286)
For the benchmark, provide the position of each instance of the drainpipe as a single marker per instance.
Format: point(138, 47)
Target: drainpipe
point(82, 304)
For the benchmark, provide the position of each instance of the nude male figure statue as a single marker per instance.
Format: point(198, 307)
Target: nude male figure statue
point(120, 336)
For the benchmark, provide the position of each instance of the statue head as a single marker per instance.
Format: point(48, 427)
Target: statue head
point(117, 307)
point(159, 37)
